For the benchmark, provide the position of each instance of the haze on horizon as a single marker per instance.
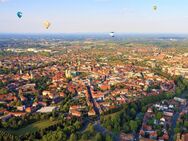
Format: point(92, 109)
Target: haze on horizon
point(72, 16)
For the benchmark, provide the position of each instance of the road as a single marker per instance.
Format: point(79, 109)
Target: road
point(92, 100)
point(174, 119)
point(97, 124)
point(103, 130)
point(176, 116)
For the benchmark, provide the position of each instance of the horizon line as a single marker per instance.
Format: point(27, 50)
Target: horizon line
point(117, 33)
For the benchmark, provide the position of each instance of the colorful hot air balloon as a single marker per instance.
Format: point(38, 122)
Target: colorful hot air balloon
point(112, 34)
point(47, 24)
point(19, 14)
point(155, 8)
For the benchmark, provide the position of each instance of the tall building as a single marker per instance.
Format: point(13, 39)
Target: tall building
point(21, 72)
point(68, 74)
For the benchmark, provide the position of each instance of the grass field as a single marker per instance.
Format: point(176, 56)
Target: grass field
point(33, 127)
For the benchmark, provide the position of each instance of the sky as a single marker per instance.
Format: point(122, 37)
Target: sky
point(86, 16)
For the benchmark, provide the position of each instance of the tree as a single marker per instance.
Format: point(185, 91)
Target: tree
point(3, 91)
point(85, 137)
point(108, 127)
point(176, 130)
point(1, 84)
point(73, 137)
point(150, 122)
point(77, 125)
point(133, 112)
point(117, 126)
point(133, 124)
point(144, 109)
point(42, 83)
point(186, 124)
point(159, 133)
point(18, 103)
point(108, 138)
point(126, 128)
point(178, 91)
point(159, 115)
point(51, 119)
point(98, 137)
point(90, 128)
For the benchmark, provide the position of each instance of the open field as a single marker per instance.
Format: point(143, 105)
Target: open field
point(33, 127)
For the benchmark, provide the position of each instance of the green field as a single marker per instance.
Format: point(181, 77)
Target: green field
point(33, 127)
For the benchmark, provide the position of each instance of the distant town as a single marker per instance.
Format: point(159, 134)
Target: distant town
point(94, 90)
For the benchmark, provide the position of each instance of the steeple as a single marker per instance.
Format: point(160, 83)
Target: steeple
point(21, 72)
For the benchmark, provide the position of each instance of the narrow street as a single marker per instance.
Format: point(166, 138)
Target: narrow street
point(103, 130)
point(176, 116)
point(97, 124)
point(174, 119)
point(92, 100)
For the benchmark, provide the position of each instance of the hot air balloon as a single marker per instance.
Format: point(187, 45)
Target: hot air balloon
point(47, 24)
point(112, 34)
point(154, 7)
point(19, 14)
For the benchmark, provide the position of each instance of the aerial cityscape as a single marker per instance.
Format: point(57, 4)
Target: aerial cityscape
point(92, 75)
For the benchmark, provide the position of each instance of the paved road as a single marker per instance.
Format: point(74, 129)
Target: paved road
point(92, 100)
point(174, 119)
point(176, 116)
point(103, 130)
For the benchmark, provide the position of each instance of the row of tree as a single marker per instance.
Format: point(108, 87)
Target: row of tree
point(128, 118)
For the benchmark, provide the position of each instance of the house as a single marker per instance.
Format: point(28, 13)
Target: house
point(104, 87)
point(75, 113)
point(162, 121)
point(35, 104)
point(182, 101)
point(75, 107)
point(98, 97)
point(21, 108)
point(2, 111)
point(46, 93)
point(30, 109)
point(6, 117)
point(23, 98)
point(165, 136)
point(147, 127)
point(126, 137)
point(62, 94)
point(41, 103)
point(28, 87)
point(47, 109)
point(150, 110)
point(153, 135)
point(171, 106)
point(3, 96)
point(91, 113)
point(17, 114)
point(184, 137)
point(170, 114)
